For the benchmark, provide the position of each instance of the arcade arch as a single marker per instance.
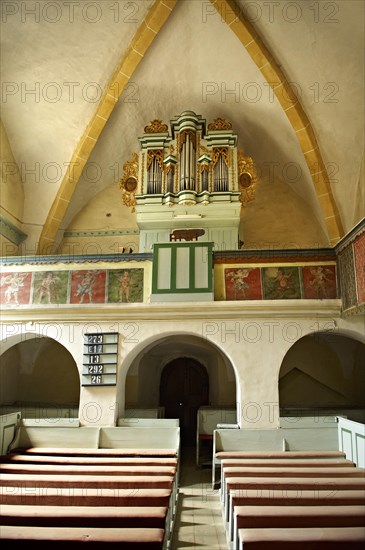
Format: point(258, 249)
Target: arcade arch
point(145, 373)
point(40, 378)
point(324, 373)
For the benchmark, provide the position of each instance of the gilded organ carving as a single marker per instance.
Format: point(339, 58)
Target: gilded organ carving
point(189, 175)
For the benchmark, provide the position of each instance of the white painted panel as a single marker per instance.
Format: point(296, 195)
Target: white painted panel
point(182, 267)
point(8, 436)
point(351, 436)
point(360, 450)
point(201, 267)
point(346, 438)
point(164, 268)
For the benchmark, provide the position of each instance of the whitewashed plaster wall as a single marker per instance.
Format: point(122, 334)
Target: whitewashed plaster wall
point(255, 344)
point(331, 92)
point(12, 192)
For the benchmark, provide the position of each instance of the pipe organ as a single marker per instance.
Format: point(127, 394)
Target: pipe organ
point(192, 177)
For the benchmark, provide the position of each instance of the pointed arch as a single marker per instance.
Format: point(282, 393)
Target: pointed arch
point(287, 98)
point(145, 34)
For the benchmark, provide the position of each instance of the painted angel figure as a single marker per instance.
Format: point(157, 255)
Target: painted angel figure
point(239, 285)
point(85, 286)
point(47, 289)
point(124, 281)
point(319, 280)
point(13, 284)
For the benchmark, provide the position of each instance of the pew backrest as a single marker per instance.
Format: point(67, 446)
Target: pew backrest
point(148, 422)
point(55, 437)
point(244, 440)
point(321, 438)
point(8, 429)
point(140, 438)
point(209, 417)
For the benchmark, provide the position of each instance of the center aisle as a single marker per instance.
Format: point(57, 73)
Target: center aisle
point(198, 522)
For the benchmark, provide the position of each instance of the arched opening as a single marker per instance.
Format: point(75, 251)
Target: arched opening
point(146, 377)
point(142, 388)
point(39, 378)
point(323, 373)
point(184, 388)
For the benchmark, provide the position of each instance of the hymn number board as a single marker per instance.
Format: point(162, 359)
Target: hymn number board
point(100, 359)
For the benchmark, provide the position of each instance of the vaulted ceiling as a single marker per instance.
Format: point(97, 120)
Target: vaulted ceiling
point(80, 81)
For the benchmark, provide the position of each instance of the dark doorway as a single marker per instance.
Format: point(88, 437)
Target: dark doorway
point(184, 388)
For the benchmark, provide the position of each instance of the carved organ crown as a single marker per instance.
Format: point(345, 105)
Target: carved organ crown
point(194, 165)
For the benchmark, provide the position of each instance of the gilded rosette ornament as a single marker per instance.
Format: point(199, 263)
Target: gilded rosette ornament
point(128, 183)
point(156, 127)
point(247, 178)
point(220, 124)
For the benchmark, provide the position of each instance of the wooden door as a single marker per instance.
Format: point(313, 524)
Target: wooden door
point(184, 388)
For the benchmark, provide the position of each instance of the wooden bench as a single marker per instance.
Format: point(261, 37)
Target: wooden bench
point(113, 441)
point(244, 472)
point(100, 477)
point(242, 440)
point(87, 481)
point(321, 438)
point(313, 538)
point(84, 516)
point(84, 437)
point(8, 427)
point(88, 469)
point(32, 458)
point(287, 462)
point(127, 538)
point(87, 452)
point(148, 422)
point(56, 496)
point(208, 419)
point(241, 485)
point(65, 475)
point(141, 438)
point(293, 498)
point(266, 517)
point(265, 444)
point(157, 412)
point(141, 517)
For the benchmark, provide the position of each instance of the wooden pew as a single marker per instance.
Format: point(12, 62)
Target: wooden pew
point(84, 516)
point(85, 437)
point(308, 439)
point(226, 440)
point(161, 440)
point(87, 481)
point(32, 458)
point(106, 441)
point(266, 517)
point(133, 476)
point(8, 426)
point(97, 537)
point(148, 422)
point(288, 462)
point(70, 496)
point(145, 517)
point(207, 421)
point(87, 452)
point(313, 538)
point(240, 485)
point(311, 472)
point(293, 498)
point(140, 475)
point(72, 469)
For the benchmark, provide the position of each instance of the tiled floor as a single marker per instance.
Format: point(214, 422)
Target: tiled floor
point(198, 521)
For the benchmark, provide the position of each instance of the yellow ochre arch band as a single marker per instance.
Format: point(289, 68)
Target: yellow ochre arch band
point(147, 31)
point(275, 77)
